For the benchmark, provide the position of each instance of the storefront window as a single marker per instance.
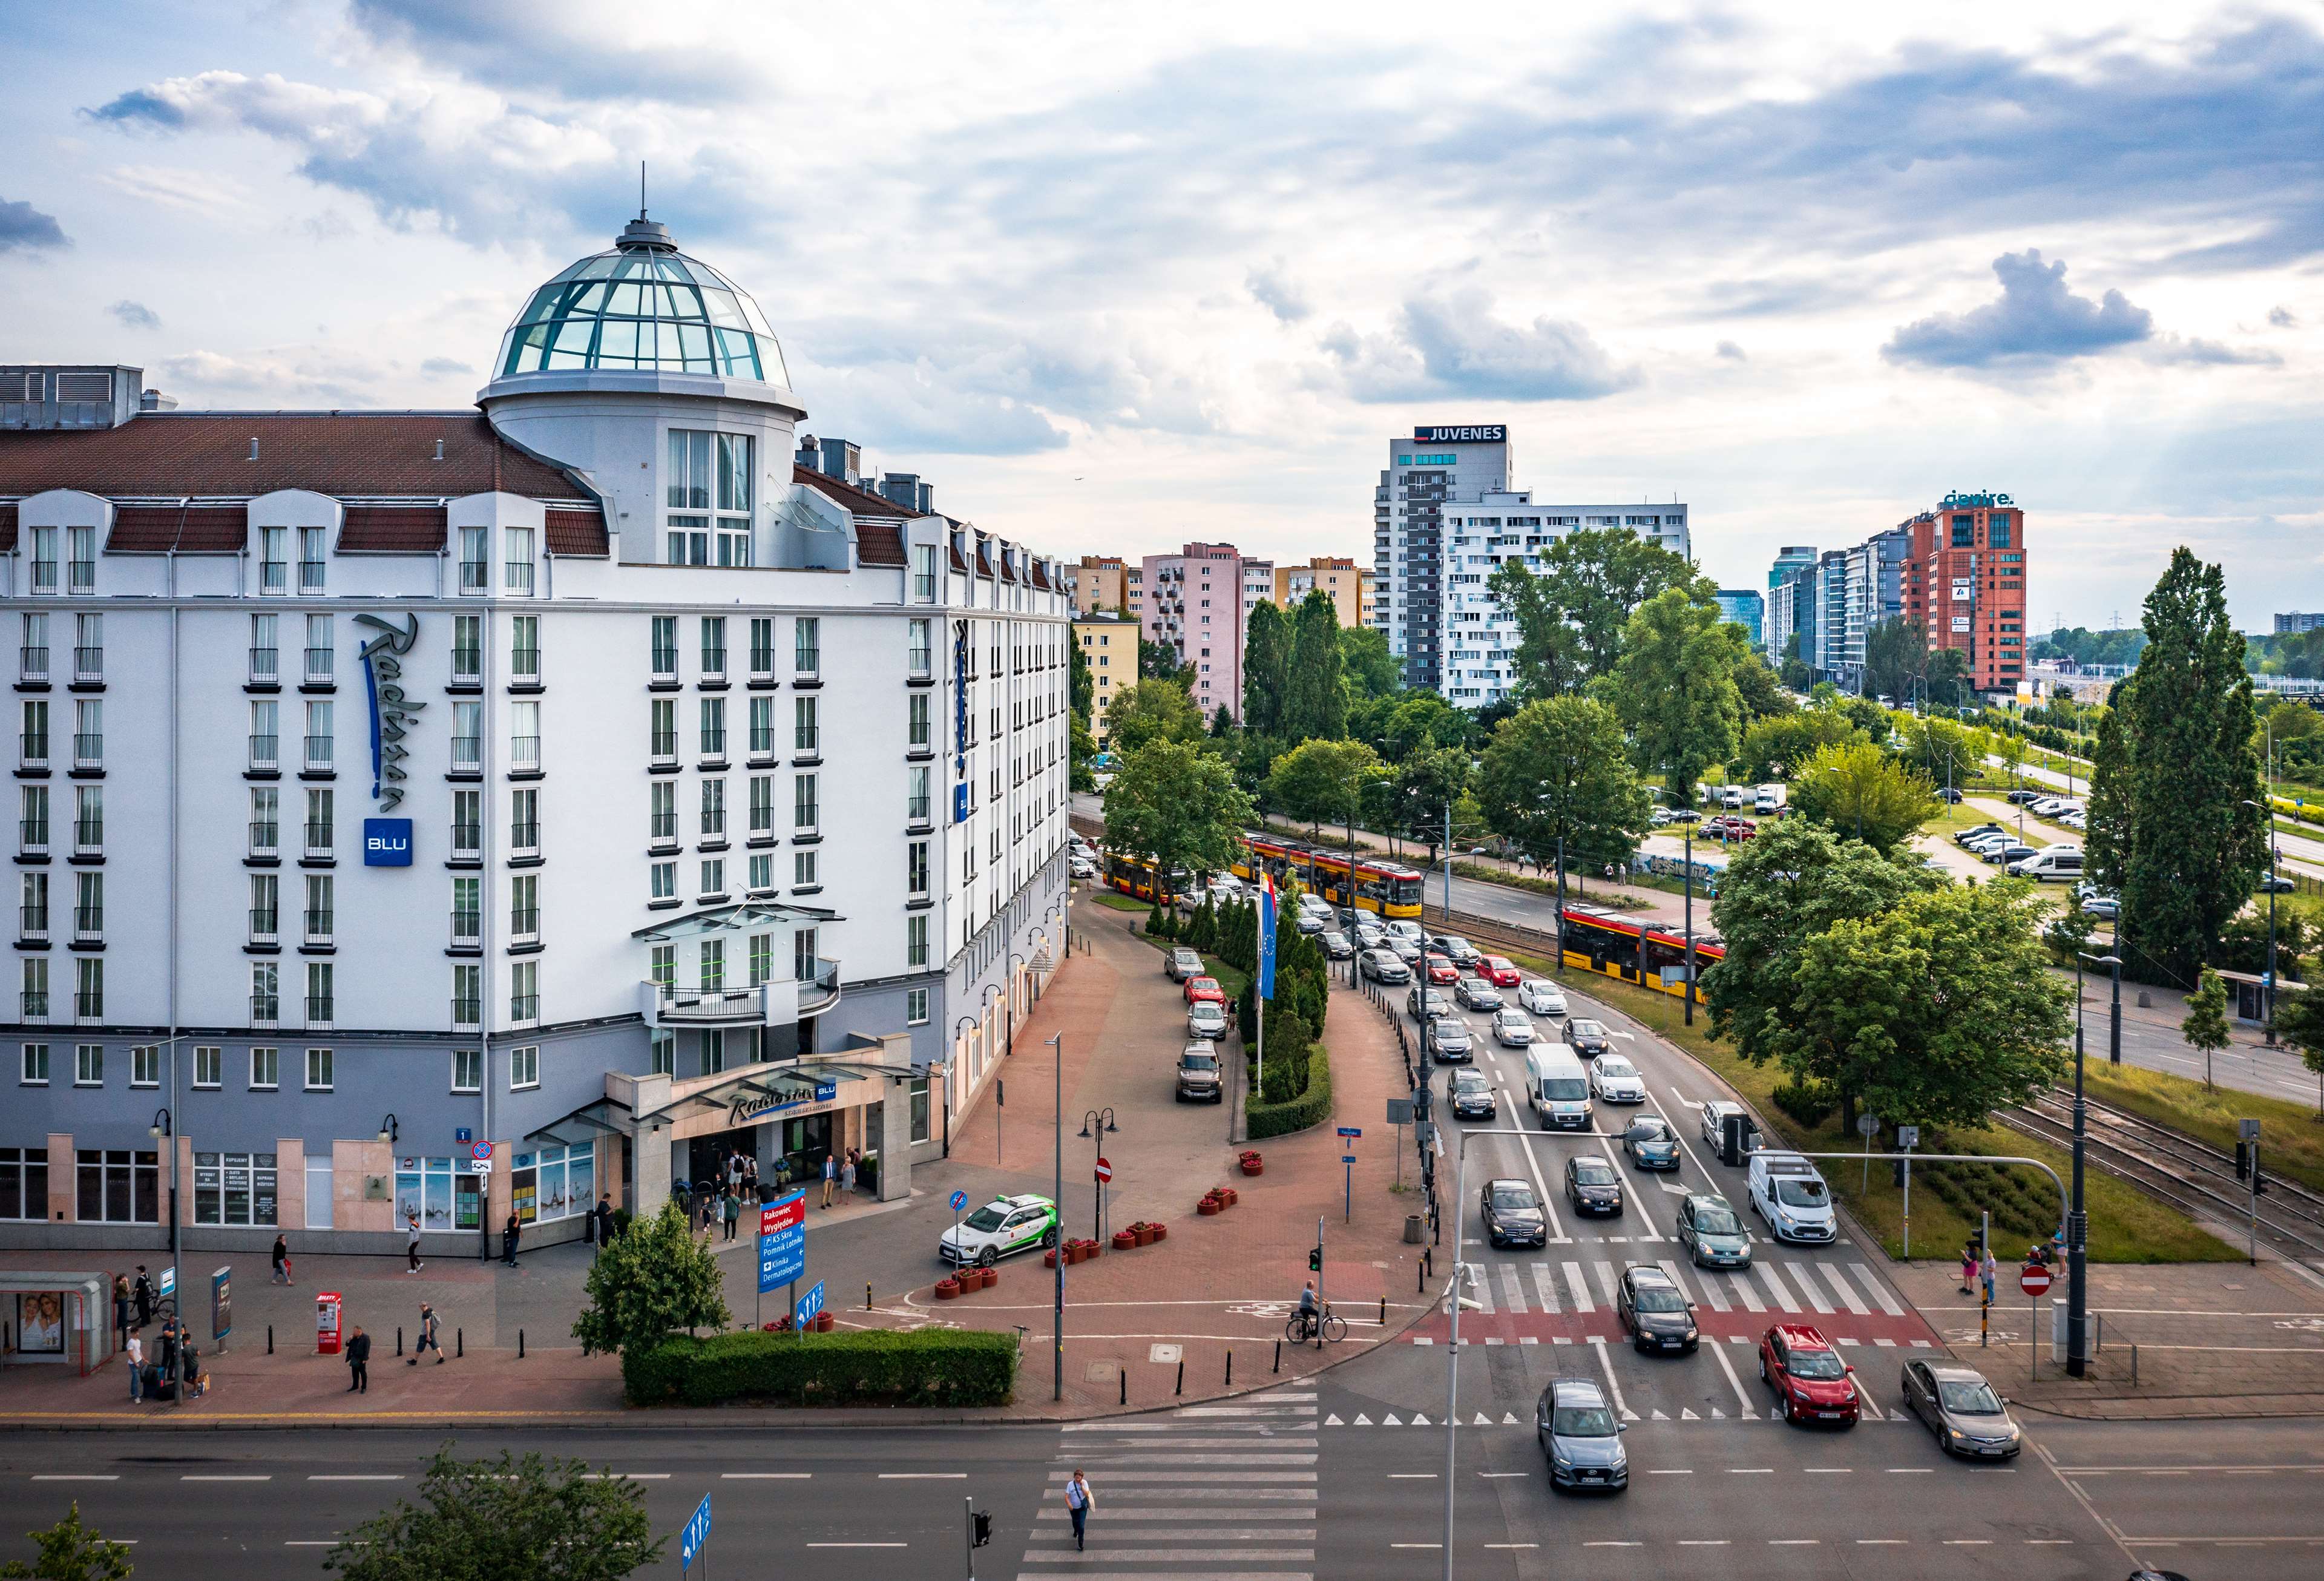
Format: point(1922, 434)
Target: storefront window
point(427, 1186)
point(555, 1183)
point(920, 1109)
point(119, 1188)
point(234, 1189)
point(23, 1183)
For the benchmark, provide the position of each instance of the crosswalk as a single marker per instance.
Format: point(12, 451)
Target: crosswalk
point(1766, 1286)
point(1206, 1491)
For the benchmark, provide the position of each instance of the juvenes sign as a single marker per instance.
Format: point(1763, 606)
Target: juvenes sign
point(1491, 433)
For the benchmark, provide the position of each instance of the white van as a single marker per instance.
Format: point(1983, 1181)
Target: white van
point(1731, 796)
point(1557, 1087)
point(1768, 798)
point(2059, 864)
point(1787, 1192)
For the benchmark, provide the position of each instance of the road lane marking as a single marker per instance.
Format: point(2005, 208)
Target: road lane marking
point(1739, 1282)
point(1544, 1288)
point(357, 1476)
point(260, 1476)
point(1605, 1279)
point(1750, 1471)
point(1727, 1367)
point(625, 1476)
point(1879, 1290)
point(77, 1476)
point(765, 1475)
point(1606, 1364)
point(1799, 1276)
point(1854, 1302)
point(1828, 1470)
point(1579, 1287)
point(874, 1545)
point(923, 1475)
point(1709, 1286)
point(1511, 1291)
point(1795, 1542)
point(1673, 1471)
point(1782, 1297)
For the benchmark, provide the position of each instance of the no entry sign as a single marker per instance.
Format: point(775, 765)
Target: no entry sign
point(2033, 1279)
point(1104, 1171)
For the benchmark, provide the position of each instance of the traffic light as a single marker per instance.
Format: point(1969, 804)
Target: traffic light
point(2243, 1160)
point(980, 1527)
point(1315, 1260)
point(2259, 1181)
point(1896, 1173)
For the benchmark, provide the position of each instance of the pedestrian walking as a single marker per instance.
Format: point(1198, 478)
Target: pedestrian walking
point(135, 1351)
point(359, 1362)
point(411, 1242)
point(734, 1208)
point(282, 1260)
point(1079, 1500)
point(847, 1174)
point(145, 1298)
point(1987, 1268)
point(1967, 1265)
point(603, 1216)
point(121, 1305)
point(830, 1178)
point(749, 1178)
point(511, 1232)
point(428, 1340)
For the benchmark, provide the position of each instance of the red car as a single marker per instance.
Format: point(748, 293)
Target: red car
point(1498, 970)
point(1441, 970)
point(1205, 988)
point(1808, 1375)
point(1735, 829)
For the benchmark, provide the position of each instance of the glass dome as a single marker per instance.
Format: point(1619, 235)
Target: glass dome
point(643, 305)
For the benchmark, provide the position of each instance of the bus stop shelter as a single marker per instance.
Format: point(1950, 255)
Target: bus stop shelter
point(55, 1317)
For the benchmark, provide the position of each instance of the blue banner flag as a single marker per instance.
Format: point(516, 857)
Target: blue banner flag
point(1266, 938)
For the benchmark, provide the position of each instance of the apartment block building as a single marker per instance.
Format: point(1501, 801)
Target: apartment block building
point(1197, 603)
point(1348, 585)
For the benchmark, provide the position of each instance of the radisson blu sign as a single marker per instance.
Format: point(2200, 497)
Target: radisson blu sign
point(1491, 433)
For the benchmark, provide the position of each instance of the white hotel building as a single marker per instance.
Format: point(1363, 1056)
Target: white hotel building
point(574, 775)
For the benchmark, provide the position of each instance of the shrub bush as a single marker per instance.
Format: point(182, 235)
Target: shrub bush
point(1809, 1104)
point(928, 1366)
point(1309, 1108)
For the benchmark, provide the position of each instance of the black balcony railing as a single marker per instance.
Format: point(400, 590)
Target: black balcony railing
point(265, 924)
point(475, 575)
point(468, 664)
point(32, 922)
point(310, 576)
point(713, 744)
point(665, 744)
point(318, 837)
point(524, 1007)
point(88, 749)
point(319, 924)
point(84, 574)
point(318, 664)
point(265, 837)
point(36, 1004)
point(264, 751)
point(265, 665)
point(524, 752)
point(714, 663)
point(467, 926)
point(88, 921)
point(665, 664)
point(318, 752)
point(274, 576)
point(524, 922)
point(88, 834)
point(762, 662)
point(467, 752)
point(662, 826)
point(32, 663)
point(319, 1010)
point(467, 839)
point(89, 664)
point(89, 1004)
point(32, 836)
point(35, 748)
point(525, 836)
point(265, 1009)
point(468, 1012)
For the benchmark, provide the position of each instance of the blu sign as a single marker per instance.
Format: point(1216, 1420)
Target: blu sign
point(387, 842)
point(1491, 433)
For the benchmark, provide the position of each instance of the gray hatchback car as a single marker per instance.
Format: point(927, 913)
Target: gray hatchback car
point(1959, 1407)
point(1581, 1438)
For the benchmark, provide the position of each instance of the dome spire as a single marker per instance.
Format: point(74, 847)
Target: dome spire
point(643, 232)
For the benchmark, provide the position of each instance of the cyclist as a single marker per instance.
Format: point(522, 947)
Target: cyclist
point(1307, 1311)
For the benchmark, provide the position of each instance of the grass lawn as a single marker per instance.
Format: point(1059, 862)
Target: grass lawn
point(1114, 900)
point(2124, 1226)
point(2291, 1141)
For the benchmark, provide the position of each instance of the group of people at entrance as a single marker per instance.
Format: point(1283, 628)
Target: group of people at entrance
point(737, 1187)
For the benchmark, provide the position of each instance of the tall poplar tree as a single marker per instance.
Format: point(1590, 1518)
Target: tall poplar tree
point(1315, 702)
point(1265, 667)
point(1674, 687)
point(2168, 828)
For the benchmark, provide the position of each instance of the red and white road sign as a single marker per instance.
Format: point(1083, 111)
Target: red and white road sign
point(2033, 1279)
point(1104, 1171)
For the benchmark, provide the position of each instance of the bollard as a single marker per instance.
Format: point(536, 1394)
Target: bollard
point(459, 1341)
point(1421, 1280)
point(867, 1297)
point(1125, 1386)
point(1278, 1355)
point(398, 1339)
point(270, 1339)
point(1182, 1377)
point(1383, 1311)
point(520, 1344)
point(1229, 1369)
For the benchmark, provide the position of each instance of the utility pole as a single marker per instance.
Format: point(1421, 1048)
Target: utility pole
point(1687, 831)
point(2078, 1221)
point(1058, 1316)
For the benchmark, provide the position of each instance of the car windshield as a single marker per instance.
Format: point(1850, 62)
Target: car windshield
point(1649, 1131)
point(1199, 1062)
point(1817, 1365)
point(1969, 1398)
point(1796, 1191)
point(1470, 1081)
point(1564, 1089)
point(1455, 945)
point(1593, 1172)
point(1513, 1197)
point(1586, 1028)
point(1581, 1421)
point(1610, 1066)
point(1452, 1032)
point(1716, 1221)
point(1660, 1298)
point(989, 1217)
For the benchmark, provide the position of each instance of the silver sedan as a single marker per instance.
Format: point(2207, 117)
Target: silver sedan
point(1959, 1407)
point(1511, 1030)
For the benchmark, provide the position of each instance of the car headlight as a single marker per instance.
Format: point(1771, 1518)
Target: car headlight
point(1564, 1459)
point(1690, 1334)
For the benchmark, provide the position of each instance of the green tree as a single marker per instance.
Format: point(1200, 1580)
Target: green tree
point(1673, 687)
point(1948, 681)
point(1081, 684)
point(2300, 1021)
point(1372, 670)
point(1895, 653)
point(1178, 805)
point(1549, 661)
point(1556, 771)
point(1572, 628)
point(1778, 748)
point(1315, 701)
point(1150, 710)
point(71, 1551)
point(1423, 720)
point(1795, 880)
point(2206, 1026)
point(1861, 791)
point(1320, 780)
point(1083, 747)
point(1760, 691)
point(1430, 781)
point(1222, 723)
point(486, 1520)
point(649, 1281)
point(1935, 1012)
point(2169, 829)
point(1160, 662)
point(1266, 668)
point(1942, 749)
point(1792, 671)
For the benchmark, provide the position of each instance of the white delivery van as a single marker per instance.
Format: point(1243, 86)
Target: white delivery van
point(1787, 1192)
point(1731, 796)
point(1768, 798)
point(2058, 863)
point(1557, 1087)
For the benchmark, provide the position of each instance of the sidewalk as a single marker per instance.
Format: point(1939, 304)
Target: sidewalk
point(1216, 1285)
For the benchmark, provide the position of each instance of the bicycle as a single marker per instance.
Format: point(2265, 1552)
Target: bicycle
point(1301, 1328)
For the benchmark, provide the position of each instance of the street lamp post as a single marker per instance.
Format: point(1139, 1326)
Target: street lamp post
point(952, 1065)
point(1010, 1050)
point(2078, 1221)
point(1103, 1120)
point(164, 1131)
point(1058, 1316)
point(1686, 833)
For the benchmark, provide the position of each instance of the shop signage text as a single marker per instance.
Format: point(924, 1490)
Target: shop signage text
point(1974, 502)
point(392, 714)
point(1491, 433)
point(746, 1107)
point(387, 841)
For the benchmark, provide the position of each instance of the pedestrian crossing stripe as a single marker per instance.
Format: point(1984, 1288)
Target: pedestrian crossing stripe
point(1723, 1290)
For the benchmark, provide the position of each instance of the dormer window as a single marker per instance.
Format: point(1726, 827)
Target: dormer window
point(709, 473)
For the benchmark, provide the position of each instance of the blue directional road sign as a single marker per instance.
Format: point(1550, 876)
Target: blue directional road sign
point(1347, 1158)
point(782, 1242)
point(810, 1305)
point(959, 1200)
point(696, 1533)
point(1350, 1130)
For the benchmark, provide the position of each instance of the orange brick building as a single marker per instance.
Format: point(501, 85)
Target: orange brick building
point(1966, 582)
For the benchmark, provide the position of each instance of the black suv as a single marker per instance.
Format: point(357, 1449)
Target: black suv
point(1472, 1095)
point(1513, 1215)
point(1654, 1311)
point(1425, 1004)
point(1588, 1038)
point(1593, 1184)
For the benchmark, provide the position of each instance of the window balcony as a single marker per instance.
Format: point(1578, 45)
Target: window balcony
point(34, 1006)
point(665, 748)
point(524, 1009)
point(88, 836)
point(468, 754)
point(32, 924)
point(468, 841)
point(44, 576)
point(265, 1009)
point(524, 754)
point(318, 754)
point(665, 666)
point(467, 1014)
point(89, 664)
point(319, 925)
point(265, 926)
point(33, 664)
point(518, 579)
point(475, 576)
point(714, 666)
point(467, 929)
point(265, 838)
point(32, 837)
point(524, 839)
point(524, 925)
point(525, 667)
point(274, 576)
point(266, 667)
point(468, 667)
point(84, 576)
point(319, 840)
point(319, 1012)
point(714, 745)
point(763, 664)
point(33, 747)
point(319, 667)
point(89, 1008)
point(266, 753)
point(88, 751)
point(88, 924)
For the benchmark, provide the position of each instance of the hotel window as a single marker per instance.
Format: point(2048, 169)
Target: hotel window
point(919, 651)
point(89, 1065)
point(33, 742)
point(713, 879)
point(714, 728)
point(918, 732)
point(714, 810)
point(916, 940)
point(468, 823)
point(468, 737)
point(663, 881)
point(467, 994)
point(273, 560)
point(35, 989)
point(35, 1068)
point(88, 647)
point(265, 1069)
point(1997, 531)
point(916, 1007)
point(209, 1066)
point(145, 1065)
point(311, 559)
point(524, 1067)
point(319, 1070)
point(32, 914)
point(1964, 532)
point(33, 656)
point(762, 805)
point(89, 910)
point(664, 647)
point(805, 736)
point(524, 992)
point(915, 867)
point(467, 649)
point(319, 999)
point(524, 823)
point(762, 650)
point(319, 652)
point(524, 907)
point(688, 490)
point(44, 559)
point(516, 555)
point(713, 647)
point(924, 572)
point(710, 966)
point(762, 874)
point(803, 871)
point(803, 954)
point(662, 970)
point(916, 807)
point(318, 736)
point(234, 1189)
point(665, 730)
point(524, 647)
point(762, 727)
point(734, 499)
point(474, 575)
point(661, 811)
point(88, 733)
point(118, 1187)
point(265, 1001)
point(762, 957)
point(321, 914)
point(806, 647)
point(524, 737)
point(805, 812)
point(265, 908)
point(80, 546)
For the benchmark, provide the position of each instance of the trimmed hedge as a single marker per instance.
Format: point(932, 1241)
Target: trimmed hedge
point(847, 1366)
point(1309, 1108)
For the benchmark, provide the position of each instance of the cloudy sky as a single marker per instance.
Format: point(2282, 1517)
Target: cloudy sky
point(1114, 276)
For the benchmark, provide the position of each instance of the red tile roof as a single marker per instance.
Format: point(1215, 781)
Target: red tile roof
point(958, 564)
point(880, 543)
point(856, 501)
point(579, 532)
point(194, 530)
point(206, 454)
point(393, 530)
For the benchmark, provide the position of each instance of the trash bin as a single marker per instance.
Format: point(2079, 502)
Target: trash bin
point(1413, 1229)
